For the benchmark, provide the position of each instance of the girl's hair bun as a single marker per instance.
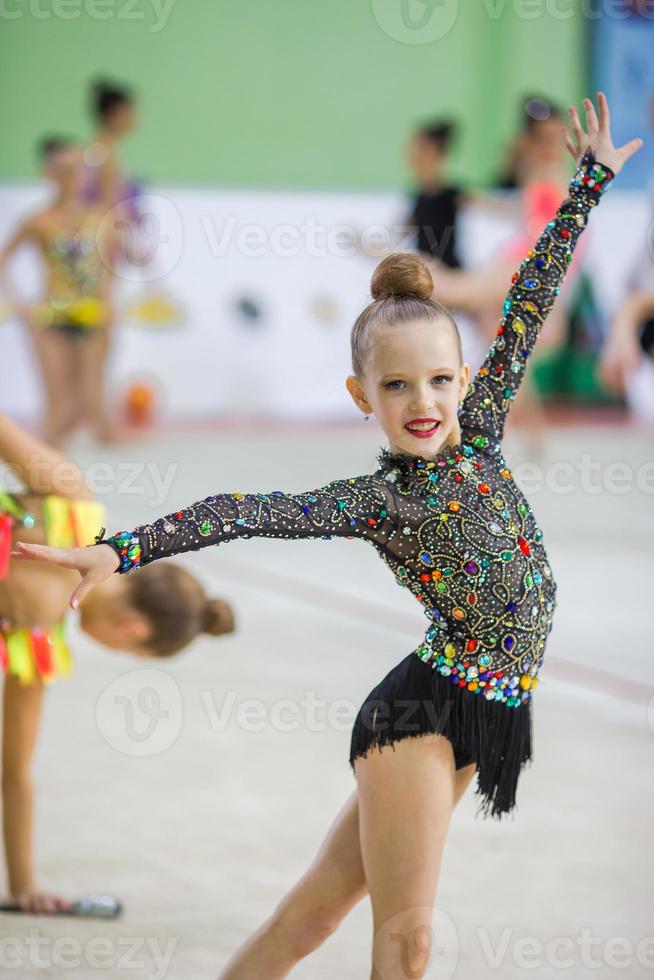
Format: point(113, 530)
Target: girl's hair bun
point(401, 274)
point(217, 617)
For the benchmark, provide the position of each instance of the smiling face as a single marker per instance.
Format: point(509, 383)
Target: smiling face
point(413, 382)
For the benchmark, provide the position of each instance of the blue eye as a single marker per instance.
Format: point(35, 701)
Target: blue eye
point(442, 377)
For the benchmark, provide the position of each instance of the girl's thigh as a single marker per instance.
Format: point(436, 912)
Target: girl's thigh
point(406, 796)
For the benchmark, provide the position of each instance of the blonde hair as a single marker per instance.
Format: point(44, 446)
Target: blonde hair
point(401, 289)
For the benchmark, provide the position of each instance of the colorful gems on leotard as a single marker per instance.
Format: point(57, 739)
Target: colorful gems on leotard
point(458, 478)
point(205, 528)
point(471, 567)
point(511, 606)
point(406, 531)
point(505, 473)
point(458, 613)
point(531, 283)
point(472, 598)
point(538, 578)
point(471, 646)
point(506, 555)
point(371, 522)
point(529, 581)
point(425, 577)
point(426, 558)
point(454, 506)
point(524, 546)
point(508, 643)
point(519, 326)
point(483, 488)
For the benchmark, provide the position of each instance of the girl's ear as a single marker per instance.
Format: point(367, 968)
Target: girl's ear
point(465, 380)
point(357, 393)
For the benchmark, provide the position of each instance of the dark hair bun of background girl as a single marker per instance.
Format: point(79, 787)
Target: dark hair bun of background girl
point(401, 274)
point(217, 617)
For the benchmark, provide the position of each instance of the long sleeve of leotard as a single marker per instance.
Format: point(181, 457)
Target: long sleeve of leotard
point(535, 287)
point(358, 507)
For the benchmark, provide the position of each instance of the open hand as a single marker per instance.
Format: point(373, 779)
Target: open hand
point(597, 136)
point(94, 563)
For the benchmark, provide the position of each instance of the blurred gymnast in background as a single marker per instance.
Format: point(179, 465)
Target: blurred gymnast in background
point(68, 325)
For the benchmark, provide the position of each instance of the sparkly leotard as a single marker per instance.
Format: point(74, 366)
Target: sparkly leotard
point(74, 305)
point(454, 529)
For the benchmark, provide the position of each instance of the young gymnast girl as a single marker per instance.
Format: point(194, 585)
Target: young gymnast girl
point(154, 617)
point(442, 510)
point(69, 325)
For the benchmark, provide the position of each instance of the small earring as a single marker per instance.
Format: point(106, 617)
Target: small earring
point(366, 418)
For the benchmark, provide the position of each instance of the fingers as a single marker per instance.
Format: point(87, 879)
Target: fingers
point(592, 122)
point(604, 115)
point(630, 148)
point(41, 552)
point(577, 128)
point(570, 146)
point(88, 582)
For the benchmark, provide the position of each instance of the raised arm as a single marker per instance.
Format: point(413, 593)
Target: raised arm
point(537, 282)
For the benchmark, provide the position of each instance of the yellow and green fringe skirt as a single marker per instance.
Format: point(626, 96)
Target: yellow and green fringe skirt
point(38, 654)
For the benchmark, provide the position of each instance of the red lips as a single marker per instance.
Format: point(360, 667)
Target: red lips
point(422, 433)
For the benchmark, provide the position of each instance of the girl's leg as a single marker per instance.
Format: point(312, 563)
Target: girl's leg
point(55, 356)
point(22, 706)
point(406, 797)
point(312, 910)
point(94, 355)
point(316, 905)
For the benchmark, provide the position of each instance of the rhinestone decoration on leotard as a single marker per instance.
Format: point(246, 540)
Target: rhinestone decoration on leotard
point(454, 529)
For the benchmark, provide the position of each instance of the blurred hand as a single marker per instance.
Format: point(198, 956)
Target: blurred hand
point(597, 136)
point(36, 902)
point(619, 358)
point(94, 563)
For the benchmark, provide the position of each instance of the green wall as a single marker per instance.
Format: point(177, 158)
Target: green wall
point(290, 93)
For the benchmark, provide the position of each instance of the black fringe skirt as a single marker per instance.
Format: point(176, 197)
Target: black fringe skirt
point(414, 699)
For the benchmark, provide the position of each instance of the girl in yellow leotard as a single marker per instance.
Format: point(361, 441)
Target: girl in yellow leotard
point(69, 325)
point(164, 614)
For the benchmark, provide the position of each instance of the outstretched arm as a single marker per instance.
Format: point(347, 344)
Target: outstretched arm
point(359, 507)
point(40, 468)
point(354, 508)
point(538, 281)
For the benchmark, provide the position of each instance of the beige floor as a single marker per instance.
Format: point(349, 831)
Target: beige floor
point(203, 830)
